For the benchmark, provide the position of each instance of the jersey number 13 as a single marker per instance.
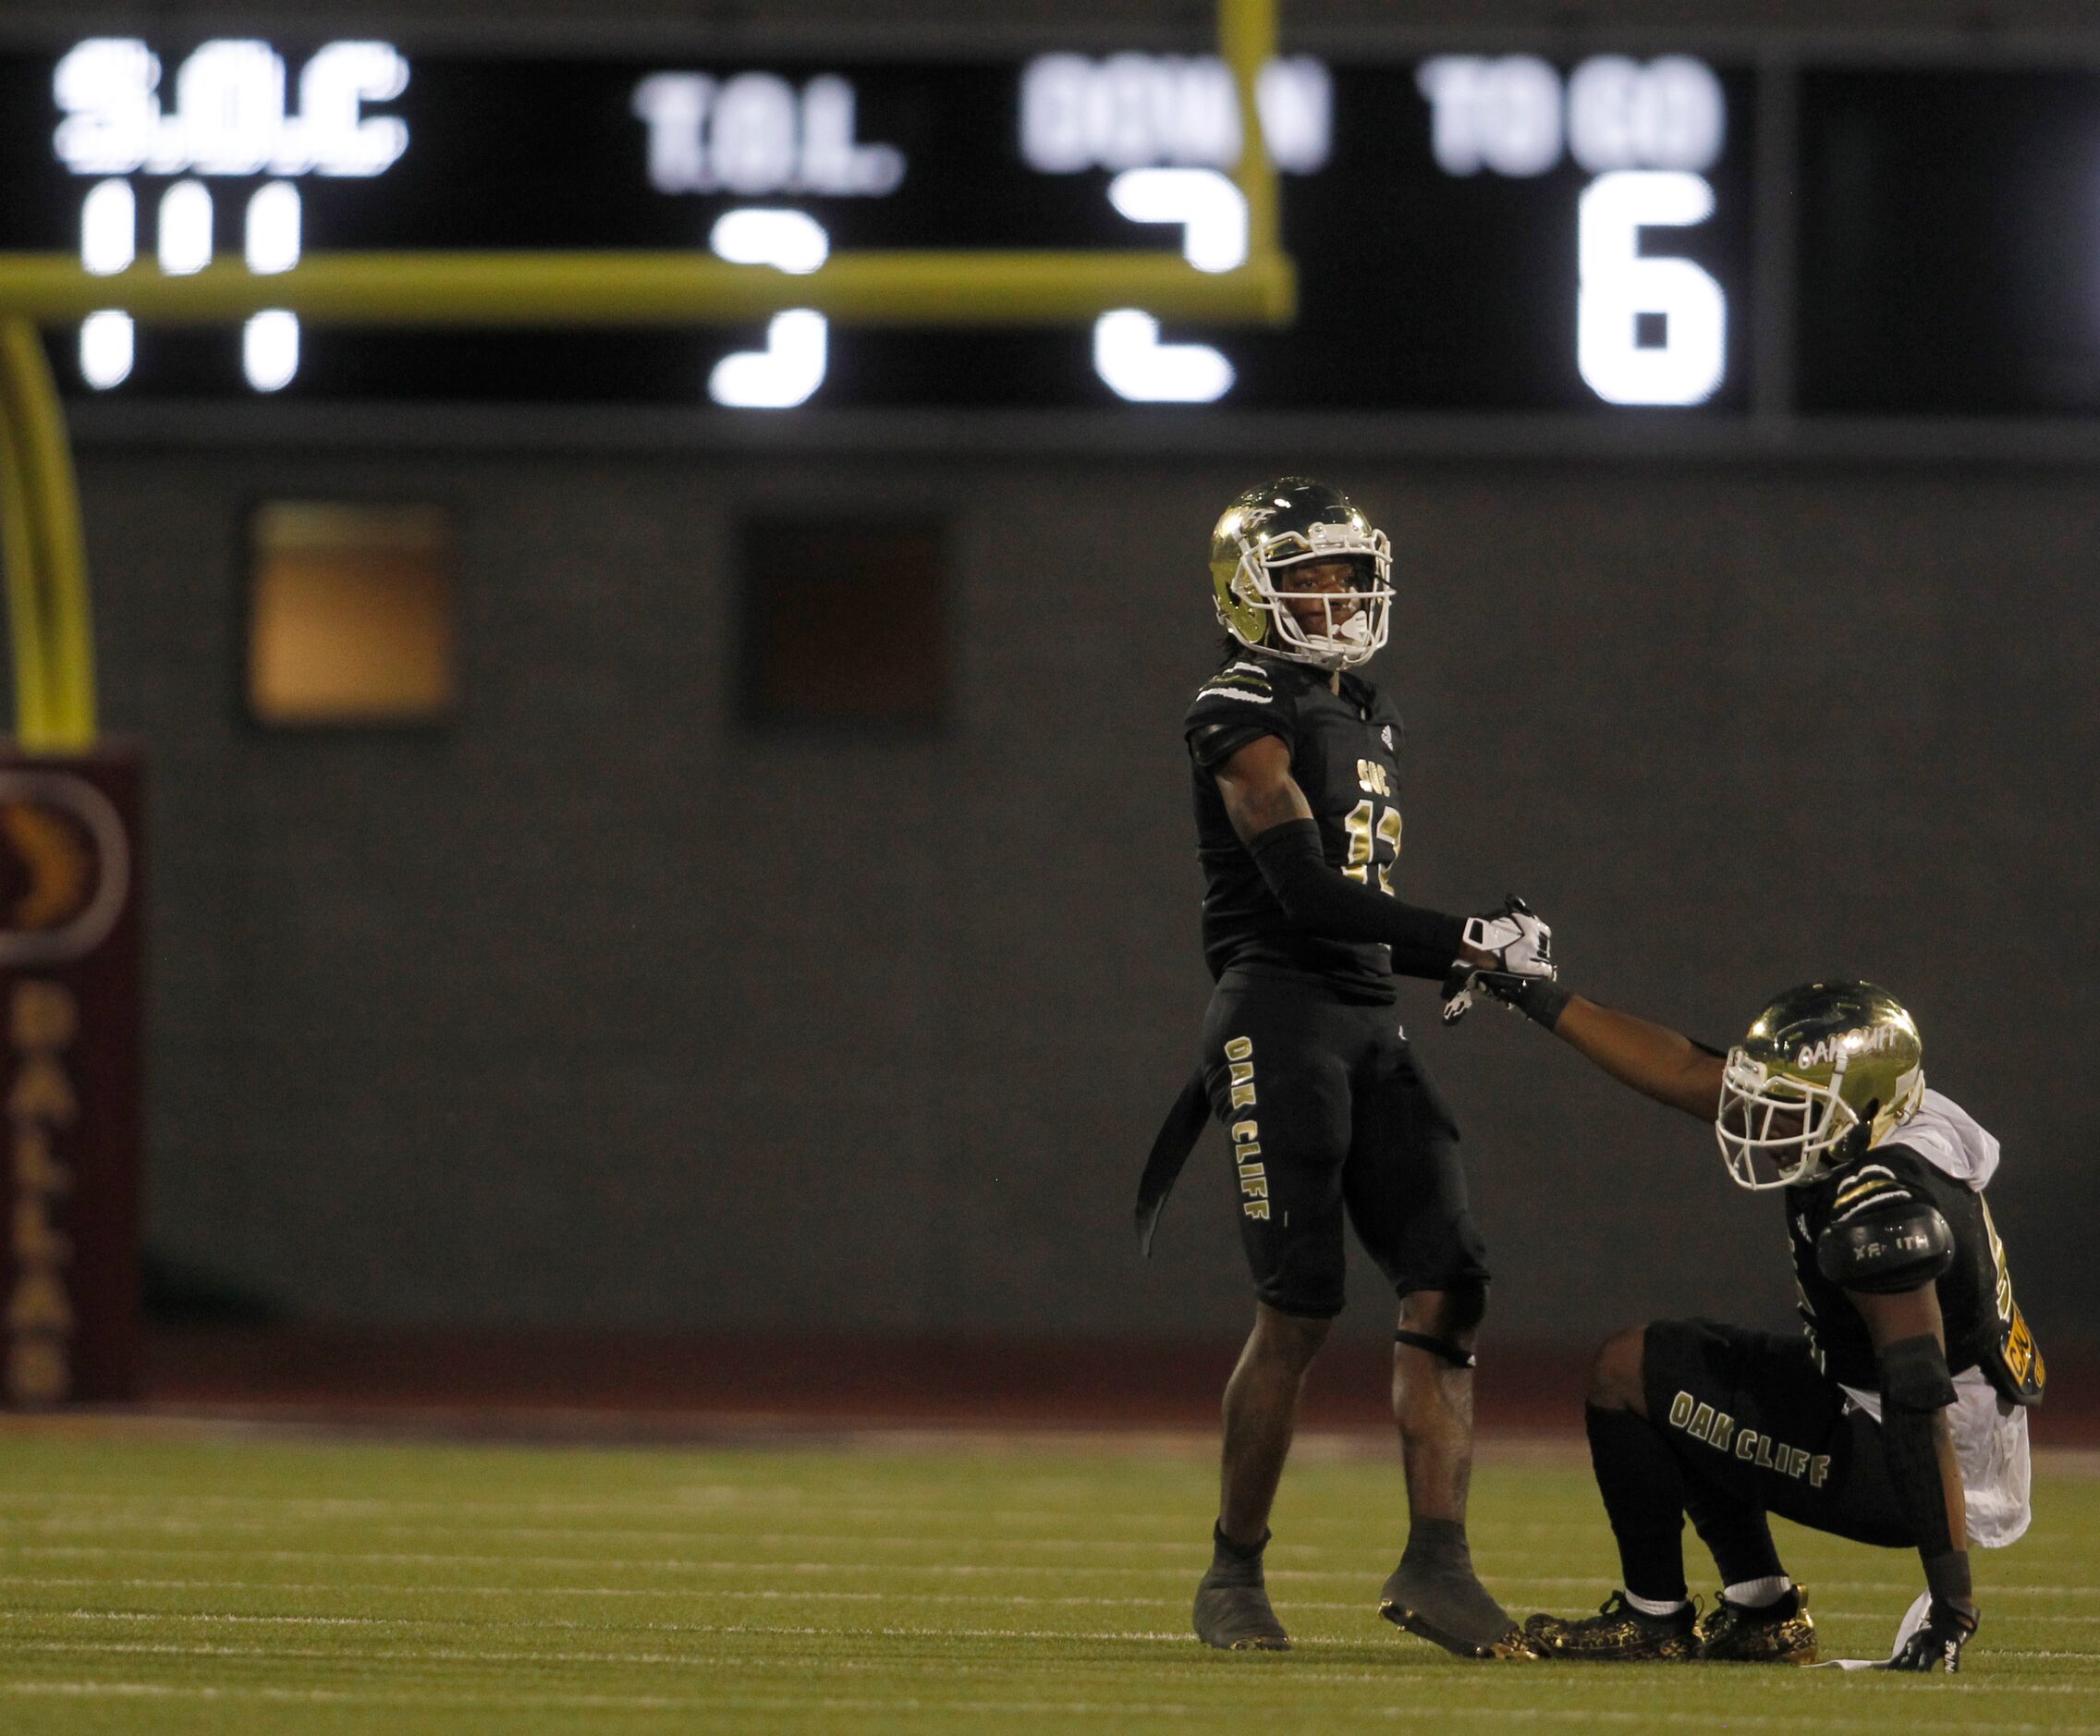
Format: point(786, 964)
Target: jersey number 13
point(1374, 842)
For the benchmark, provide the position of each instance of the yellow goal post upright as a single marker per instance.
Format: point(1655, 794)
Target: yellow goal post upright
point(47, 594)
point(48, 619)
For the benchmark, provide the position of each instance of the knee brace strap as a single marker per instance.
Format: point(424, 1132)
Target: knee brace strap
point(1444, 1348)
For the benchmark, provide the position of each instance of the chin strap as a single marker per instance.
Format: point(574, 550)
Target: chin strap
point(1444, 1348)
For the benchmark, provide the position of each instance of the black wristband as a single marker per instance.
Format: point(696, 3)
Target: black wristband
point(1542, 1001)
point(1948, 1575)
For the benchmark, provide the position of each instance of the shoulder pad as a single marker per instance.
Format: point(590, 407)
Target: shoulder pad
point(1892, 1244)
point(1241, 701)
point(1870, 1185)
point(1243, 680)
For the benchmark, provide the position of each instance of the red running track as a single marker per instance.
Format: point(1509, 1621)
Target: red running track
point(660, 1385)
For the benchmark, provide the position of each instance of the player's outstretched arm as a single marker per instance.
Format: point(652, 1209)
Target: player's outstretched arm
point(1271, 816)
point(1654, 1059)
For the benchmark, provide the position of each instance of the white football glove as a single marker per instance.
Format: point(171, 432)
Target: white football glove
point(1522, 945)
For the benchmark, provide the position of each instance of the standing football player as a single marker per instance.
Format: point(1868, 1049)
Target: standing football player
point(1898, 1418)
point(1296, 765)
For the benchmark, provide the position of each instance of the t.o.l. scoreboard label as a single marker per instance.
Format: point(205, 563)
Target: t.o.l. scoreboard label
point(69, 1009)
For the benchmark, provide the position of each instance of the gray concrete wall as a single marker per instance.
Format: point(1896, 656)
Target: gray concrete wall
point(592, 1007)
point(595, 1007)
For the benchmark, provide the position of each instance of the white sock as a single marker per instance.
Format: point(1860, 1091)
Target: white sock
point(1757, 1593)
point(1655, 1605)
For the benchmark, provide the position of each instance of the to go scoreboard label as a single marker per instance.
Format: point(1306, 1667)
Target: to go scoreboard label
point(69, 1006)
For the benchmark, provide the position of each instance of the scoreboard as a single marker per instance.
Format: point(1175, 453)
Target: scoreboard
point(1591, 236)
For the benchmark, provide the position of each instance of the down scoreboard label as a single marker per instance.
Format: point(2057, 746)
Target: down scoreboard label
point(69, 997)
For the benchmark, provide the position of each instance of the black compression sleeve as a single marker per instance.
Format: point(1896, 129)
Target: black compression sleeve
point(1906, 1440)
point(1322, 900)
point(1914, 1390)
point(1424, 961)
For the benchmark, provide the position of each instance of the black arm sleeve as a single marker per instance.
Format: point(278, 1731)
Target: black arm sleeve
point(1325, 901)
point(1429, 962)
point(1914, 1391)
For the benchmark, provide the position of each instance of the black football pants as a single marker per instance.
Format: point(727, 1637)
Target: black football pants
point(1331, 1116)
point(1755, 1428)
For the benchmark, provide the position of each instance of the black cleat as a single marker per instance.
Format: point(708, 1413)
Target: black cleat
point(1233, 1614)
point(1618, 1634)
point(1232, 1604)
point(1781, 1633)
point(1451, 1609)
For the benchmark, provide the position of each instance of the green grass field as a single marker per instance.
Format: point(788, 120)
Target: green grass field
point(163, 1585)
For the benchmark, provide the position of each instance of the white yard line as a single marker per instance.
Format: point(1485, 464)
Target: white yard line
point(817, 1593)
point(924, 1706)
point(13, 1542)
point(657, 1546)
point(487, 1654)
point(309, 1557)
point(33, 1616)
point(689, 1506)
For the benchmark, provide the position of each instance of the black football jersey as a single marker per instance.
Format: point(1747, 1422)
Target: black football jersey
point(1345, 755)
point(1983, 1322)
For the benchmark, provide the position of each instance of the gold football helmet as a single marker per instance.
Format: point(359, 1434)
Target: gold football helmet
point(1825, 1071)
point(1289, 521)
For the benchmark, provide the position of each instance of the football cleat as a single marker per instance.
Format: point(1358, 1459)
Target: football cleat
point(1781, 1633)
point(1233, 1613)
point(1464, 1620)
point(1618, 1634)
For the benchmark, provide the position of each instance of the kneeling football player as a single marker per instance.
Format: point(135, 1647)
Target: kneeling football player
point(1897, 1418)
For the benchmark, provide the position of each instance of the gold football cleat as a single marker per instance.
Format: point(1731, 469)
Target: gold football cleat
point(1618, 1634)
point(1781, 1633)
